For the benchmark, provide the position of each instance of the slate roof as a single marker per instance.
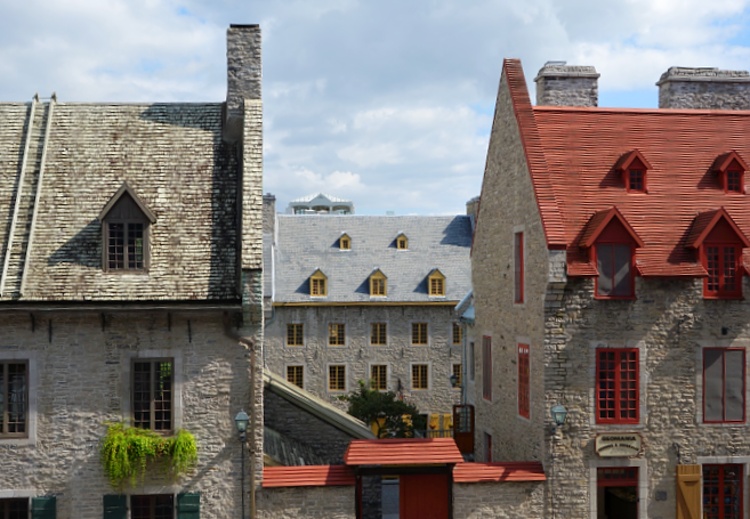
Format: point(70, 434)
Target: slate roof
point(572, 153)
point(171, 155)
point(305, 243)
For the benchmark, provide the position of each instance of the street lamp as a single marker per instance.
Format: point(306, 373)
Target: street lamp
point(240, 421)
point(559, 414)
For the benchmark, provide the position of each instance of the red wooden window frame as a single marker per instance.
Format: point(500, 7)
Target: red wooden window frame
point(635, 180)
point(734, 181)
point(610, 273)
point(725, 385)
point(617, 385)
point(487, 368)
point(722, 488)
point(524, 381)
point(518, 268)
point(722, 261)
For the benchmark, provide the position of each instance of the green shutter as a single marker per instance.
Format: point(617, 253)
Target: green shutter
point(43, 507)
point(115, 506)
point(188, 506)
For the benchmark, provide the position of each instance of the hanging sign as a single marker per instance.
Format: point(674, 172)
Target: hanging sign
point(618, 445)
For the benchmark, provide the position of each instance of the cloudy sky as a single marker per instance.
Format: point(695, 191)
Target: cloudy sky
point(384, 102)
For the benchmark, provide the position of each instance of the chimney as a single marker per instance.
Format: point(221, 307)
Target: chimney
point(704, 88)
point(269, 213)
point(243, 75)
point(472, 210)
point(559, 84)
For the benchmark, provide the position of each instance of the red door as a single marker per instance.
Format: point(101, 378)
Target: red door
point(424, 495)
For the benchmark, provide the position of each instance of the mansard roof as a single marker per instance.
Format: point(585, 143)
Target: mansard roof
point(306, 242)
point(571, 154)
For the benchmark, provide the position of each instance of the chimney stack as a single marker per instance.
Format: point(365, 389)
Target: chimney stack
point(704, 88)
point(559, 84)
point(269, 213)
point(243, 75)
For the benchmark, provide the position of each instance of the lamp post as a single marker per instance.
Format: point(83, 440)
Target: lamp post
point(240, 421)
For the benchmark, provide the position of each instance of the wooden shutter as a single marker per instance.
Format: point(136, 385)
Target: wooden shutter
point(688, 491)
point(115, 506)
point(188, 506)
point(43, 507)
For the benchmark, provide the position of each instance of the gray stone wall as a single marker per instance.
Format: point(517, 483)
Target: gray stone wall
point(79, 368)
point(358, 354)
point(704, 88)
point(516, 500)
point(306, 502)
point(558, 84)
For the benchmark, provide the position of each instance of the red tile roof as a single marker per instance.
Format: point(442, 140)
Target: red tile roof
point(489, 472)
point(308, 476)
point(402, 451)
point(573, 153)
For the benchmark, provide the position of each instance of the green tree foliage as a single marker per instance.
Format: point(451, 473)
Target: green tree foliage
point(392, 418)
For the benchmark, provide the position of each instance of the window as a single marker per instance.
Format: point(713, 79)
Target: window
point(518, 286)
point(633, 167)
point(378, 336)
point(318, 284)
point(125, 225)
point(617, 392)
point(636, 181)
point(457, 376)
point(402, 242)
point(336, 334)
point(152, 394)
point(294, 334)
point(724, 279)
point(155, 506)
point(152, 506)
point(487, 368)
point(524, 387)
point(419, 333)
point(14, 508)
point(419, 374)
point(472, 369)
point(345, 242)
point(296, 375)
point(722, 492)
point(458, 334)
point(14, 398)
point(487, 447)
point(436, 282)
point(337, 377)
point(379, 377)
point(377, 284)
point(614, 261)
point(723, 385)
point(734, 181)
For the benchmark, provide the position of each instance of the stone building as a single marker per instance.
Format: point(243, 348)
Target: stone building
point(609, 275)
point(368, 298)
point(130, 292)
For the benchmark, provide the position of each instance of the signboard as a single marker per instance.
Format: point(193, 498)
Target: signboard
point(618, 445)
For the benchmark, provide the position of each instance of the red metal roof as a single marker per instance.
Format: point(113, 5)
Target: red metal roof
point(402, 451)
point(573, 153)
point(489, 472)
point(308, 476)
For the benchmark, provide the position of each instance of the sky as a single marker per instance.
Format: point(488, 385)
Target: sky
point(387, 103)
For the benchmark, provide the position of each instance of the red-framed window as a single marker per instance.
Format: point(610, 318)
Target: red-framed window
point(723, 385)
point(615, 262)
point(524, 386)
point(722, 492)
point(617, 392)
point(722, 262)
point(518, 268)
point(487, 368)
point(734, 181)
point(636, 180)
point(487, 447)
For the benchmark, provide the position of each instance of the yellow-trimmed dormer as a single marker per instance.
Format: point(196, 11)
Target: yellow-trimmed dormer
point(402, 242)
point(378, 284)
point(436, 283)
point(345, 242)
point(318, 284)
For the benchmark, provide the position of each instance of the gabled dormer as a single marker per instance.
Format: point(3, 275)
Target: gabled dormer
point(402, 242)
point(345, 242)
point(611, 243)
point(730, 169)
point(378, 284)
point(719, 243)
point(633, 168)
point(318, 284)
point(126, 221)
point(436, 283)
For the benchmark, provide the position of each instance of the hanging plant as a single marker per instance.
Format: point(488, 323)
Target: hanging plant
point(127, 452)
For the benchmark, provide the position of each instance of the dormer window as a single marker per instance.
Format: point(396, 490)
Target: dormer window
point(436, 283)
point(719, 242)
point(318, 284)
point(612, 243)
point(730, 168)
point(402, 242)
point(125, 230)
point(345, 242)
point(633, 167)
point(378, 287)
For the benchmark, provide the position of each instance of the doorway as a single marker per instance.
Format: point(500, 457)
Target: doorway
point(617, 493)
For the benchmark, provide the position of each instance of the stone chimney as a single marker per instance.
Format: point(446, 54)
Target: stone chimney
point(472, 210)
point(243, 75)
point(704, 88)
point(559, 84)
point(269, 213)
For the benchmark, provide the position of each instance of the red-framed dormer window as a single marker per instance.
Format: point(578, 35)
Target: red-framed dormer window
point(734, 181)
point(730, 169)
point(633, 167)
point(722, 263)
point(637, 180)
